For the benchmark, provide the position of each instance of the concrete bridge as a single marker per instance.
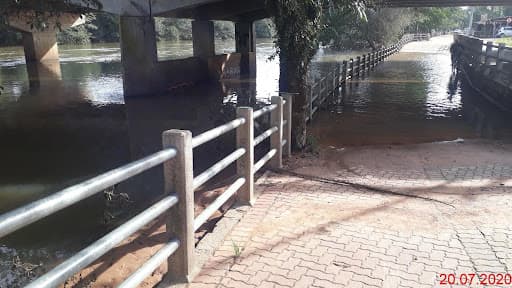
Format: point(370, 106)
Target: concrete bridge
point(144, 74)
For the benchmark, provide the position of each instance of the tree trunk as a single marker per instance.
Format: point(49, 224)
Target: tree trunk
point(289, 81)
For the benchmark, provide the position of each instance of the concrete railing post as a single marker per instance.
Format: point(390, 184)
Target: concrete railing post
point(287, 129)
point(499, 61)
point(178, 177)
point(344, 71)
point(364, 64)
point(351, 68)
point(358, 65)
point(245, 164)
point(276, 120)
point(488, 52)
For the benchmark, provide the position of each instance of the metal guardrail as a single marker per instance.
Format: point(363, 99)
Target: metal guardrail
point(347, 70)
point(180, 183)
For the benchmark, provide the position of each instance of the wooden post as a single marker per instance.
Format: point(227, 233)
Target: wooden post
point(276, 120)
point(287, 129)
point(245, 164)
point(178, 177)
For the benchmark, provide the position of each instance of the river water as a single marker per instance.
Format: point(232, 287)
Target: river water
point(71, 122)
point(412, 97)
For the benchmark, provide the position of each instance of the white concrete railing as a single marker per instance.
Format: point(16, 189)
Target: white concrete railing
point(178, 201)
point(321, 89)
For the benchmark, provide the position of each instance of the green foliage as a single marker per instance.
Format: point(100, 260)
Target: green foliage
point(439, 19)
point(506, 41)
point(264, 28)
point(173, 29)
point(8, 37)
point(78, 35)
point(104, 28)
point(224, 30)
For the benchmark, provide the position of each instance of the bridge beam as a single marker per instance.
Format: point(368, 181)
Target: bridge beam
point(245, 42)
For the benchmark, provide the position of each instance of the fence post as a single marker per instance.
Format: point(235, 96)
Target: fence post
point(245, 164)
point(358, 64)
point(287, 129)
point(337, 79)
point(351, 68)
point(488, 52)
point(178, 177)
point(364, 64)
point(499, 61)
point(344, 72)
point(276, 120)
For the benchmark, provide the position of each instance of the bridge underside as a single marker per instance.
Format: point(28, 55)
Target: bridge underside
point(248, 10)
point(440, 3)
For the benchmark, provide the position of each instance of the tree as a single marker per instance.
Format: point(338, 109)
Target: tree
point(298, 24)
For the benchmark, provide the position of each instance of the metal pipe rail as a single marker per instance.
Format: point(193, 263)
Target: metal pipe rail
point(94, 251)
point(217, 168)
point(215, 205)
point(23, 216)
point(258, 165)
point(260, 138)
point(216, 132)
point(180, 183)
point(264, 110)
point(151, 265)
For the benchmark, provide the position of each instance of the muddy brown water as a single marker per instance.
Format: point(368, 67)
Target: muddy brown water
point(412, 97)
point(57, 129)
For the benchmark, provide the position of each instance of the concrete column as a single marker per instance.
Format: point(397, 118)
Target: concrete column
point(40, 46)
point(203, 39)
point(245, 42)
point(138, 55)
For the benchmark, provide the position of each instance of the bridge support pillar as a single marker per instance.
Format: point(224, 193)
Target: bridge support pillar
point(138, 54)
point(246, 45)
point(203, 39)
point(40, 45)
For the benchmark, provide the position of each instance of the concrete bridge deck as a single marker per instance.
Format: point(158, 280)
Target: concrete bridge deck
point(454, 216)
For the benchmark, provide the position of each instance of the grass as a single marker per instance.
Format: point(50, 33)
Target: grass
point(237, 250)
point(507, 41)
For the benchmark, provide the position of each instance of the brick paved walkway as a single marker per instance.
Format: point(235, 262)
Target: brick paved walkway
point(304, 233)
